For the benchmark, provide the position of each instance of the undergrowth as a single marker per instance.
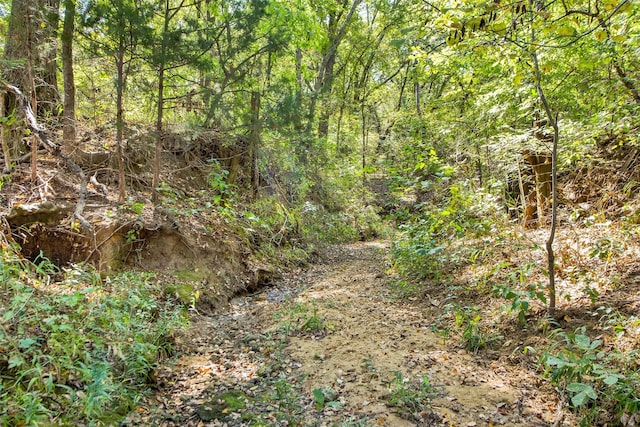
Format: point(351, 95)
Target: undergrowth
point(486, 273)
point(424, 247)
point(77, 350)
point(599, 381)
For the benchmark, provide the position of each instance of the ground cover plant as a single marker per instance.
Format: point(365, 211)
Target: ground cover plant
point(77, 349)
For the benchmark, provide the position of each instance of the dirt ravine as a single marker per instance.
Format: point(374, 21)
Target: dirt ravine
point(336, 327)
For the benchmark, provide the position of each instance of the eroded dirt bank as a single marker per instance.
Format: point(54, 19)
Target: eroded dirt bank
point(332, 346)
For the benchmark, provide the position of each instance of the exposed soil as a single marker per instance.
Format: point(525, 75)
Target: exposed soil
point(187, 244)
point(332, 346)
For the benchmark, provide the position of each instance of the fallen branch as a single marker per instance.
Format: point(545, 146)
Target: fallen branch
point(24, 159)
point(54, 149)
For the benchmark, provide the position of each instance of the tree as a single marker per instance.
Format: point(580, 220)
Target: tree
point(69, 106)
point(114, 28)
point(32, 31)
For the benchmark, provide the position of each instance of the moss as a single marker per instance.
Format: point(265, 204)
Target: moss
point(191, 275)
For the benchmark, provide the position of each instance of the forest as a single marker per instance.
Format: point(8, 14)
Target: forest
point(320, 212)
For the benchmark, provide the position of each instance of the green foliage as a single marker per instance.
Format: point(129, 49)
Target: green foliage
point(423, 247)
point(604, 249)
point(467, 322)
point(596, 379)
point(519, 288)
point(78, 351)
point(269, 221)
point(301, 317)
point(288, 400)
point(325, 396)
point(349, 225)
point(411, 399)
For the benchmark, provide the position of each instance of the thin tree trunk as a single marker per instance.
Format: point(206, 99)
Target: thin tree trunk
point(402, 86)
point(416, 93)
point(554, 167)
point(255, 143)
point(297, 120)
point(160, 113)
point(69, 106)
point(339, 127)
point(159, 131)
point(30, 83)
point(120, 121)
point(324, 79)
point(3, 140)
point(364, 152)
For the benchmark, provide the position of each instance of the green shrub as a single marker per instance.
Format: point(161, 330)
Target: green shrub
point(597, 381)
point(320, 226)
point(424, 247)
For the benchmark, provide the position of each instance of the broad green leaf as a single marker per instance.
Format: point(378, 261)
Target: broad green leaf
point(580, 399)
point(517, 79)
point(567, 30)
point(318, 395)
point(583, 341)
point(584, 393)
point(26, 343)
point(556, 361)
point(611, 379)
point(16, 361)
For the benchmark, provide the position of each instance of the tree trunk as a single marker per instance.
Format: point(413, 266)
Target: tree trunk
point(30, 85)
point(32, 28)
point(364, 152)
point(327, 86)
point(5, 146)
point(324, 79)
point(160, 113)
point(120, 120)
point(554, 167)
point(69, 106)
point(255, 143)
point(31, 31)
point(46, 60)
point(416, 94)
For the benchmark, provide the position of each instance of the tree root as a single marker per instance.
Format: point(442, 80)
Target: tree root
point(54, 149)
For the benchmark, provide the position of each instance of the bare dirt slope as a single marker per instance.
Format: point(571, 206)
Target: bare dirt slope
point(332, 346)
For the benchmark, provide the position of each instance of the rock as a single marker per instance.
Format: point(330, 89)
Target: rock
point(46, 213)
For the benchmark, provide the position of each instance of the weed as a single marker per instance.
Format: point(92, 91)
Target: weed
point(288, 401)
point(218, 182)
point(325, 396)
point(604, 249)
point(301, 317)
point(511, 289)
point(79, 351)
point(410, 398)
point(595, 380)
point(467, 321)
point(368, 364)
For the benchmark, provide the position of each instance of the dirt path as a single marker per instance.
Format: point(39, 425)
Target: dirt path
point(332, 346)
